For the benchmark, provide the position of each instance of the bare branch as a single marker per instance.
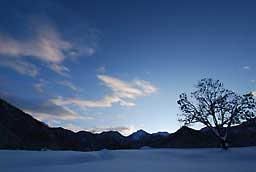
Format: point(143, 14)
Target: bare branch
point(216, 107)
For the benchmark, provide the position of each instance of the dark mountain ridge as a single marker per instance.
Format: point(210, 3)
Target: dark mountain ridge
point(19, 130)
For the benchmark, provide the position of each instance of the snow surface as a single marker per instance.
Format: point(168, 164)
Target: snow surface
point(145, 160)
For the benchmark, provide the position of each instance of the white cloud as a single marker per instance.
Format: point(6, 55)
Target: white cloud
point(120, 92)
point(125, 103)
point(69, 85)
point(61, 113)
point(43, 109)
point(120, 88)
point(53, 123)
point(146, 86)
point(60, 69)
point(22, 67)
point(39, 87)
point(121, 129)
point(51, 111)
point(73, 127)
point(46, 45)
point(254, 93)
point(104, 102)
point(246, 67)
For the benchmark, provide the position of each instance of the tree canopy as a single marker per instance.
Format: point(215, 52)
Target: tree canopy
point(216, 107)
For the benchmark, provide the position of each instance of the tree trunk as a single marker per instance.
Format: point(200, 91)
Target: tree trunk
point(223, 139)
point(224, 144)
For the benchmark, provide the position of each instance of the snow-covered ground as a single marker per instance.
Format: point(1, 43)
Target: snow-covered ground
point(144, 160)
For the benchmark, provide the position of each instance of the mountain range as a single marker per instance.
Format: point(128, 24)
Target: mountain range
point(19, 130)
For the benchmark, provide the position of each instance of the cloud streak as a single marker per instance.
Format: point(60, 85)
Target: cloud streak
point(69, 84)
point(60, 69)
point(22, 67)
point(121, 92)
point(39, 87)
point(121, 129)
point(43, 109)
point(45, 45)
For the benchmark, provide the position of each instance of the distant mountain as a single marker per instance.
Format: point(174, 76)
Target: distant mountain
point(164, 134)
point(19, 130)
point(139, 135)
point(186, 137)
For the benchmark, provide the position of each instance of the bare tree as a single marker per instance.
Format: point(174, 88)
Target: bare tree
point(216, 107)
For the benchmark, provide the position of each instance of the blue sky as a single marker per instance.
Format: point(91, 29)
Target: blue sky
point(121, 65)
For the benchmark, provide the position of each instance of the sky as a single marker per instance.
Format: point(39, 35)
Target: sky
point(121, 65)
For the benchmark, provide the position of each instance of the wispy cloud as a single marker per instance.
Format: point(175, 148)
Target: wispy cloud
point(74, 128)
point(46, 45)
point(63, 114)
point(121, 92)
point(120, 88)
point(246, 67)
point(43, 109)
point(39, 87)
point(125, 89)
point(107, 101)
point(69, 85)
point(121, 129)
point(47, 110)
point(22, 67)
point(60, 69)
